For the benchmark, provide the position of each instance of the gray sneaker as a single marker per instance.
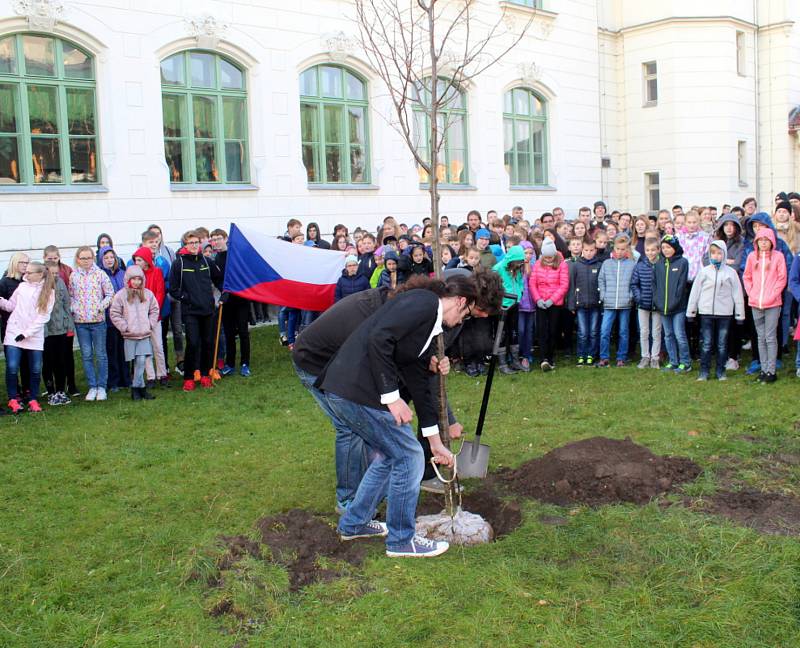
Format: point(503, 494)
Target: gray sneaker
point(654, 363)
point(644, 363)
point(435, 485)
point(372, 529)
point(419, 547)
point(797, 373)
point(731, 365)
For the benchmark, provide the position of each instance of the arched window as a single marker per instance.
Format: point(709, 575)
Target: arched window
point(333, 125)
point(452, 121)
point(204, 101)
point(48, 123)
point(525, 135)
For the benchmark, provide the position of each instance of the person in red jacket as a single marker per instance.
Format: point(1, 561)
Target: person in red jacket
point(548, 284)
point(154, 282)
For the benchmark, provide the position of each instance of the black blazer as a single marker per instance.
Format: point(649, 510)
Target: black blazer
point(390, 347)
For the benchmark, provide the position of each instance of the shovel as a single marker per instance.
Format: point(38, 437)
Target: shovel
point(473, 457)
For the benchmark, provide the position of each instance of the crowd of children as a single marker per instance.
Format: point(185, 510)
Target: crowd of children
point(690, 285)
point(121, 316)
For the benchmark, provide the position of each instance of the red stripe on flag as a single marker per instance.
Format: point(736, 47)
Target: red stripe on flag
point(293, 294)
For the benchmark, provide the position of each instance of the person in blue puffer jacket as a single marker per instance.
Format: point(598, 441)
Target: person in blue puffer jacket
point(751, 227)
point(614, 283)
point(351, 280)
point(649, 319)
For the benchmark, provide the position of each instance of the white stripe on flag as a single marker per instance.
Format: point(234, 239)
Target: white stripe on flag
point(297, 262)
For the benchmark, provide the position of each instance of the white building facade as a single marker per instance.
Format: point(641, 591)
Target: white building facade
point(115, 114)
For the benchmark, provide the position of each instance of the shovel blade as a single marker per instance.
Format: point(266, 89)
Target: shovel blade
point(473, 460)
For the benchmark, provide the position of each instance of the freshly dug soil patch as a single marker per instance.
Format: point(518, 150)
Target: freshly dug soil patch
point(504, 516)
point(298, 539)
point(599, 471)
point(770, 513)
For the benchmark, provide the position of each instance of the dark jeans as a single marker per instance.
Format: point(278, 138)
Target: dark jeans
point(118, 373)
point(525, 333)
point(510, 330)
point(714, 338)
point(199, 333)
point(54, 361)
point(235, 316)
point(547, 331)
point(13, 359)
point(588, 332)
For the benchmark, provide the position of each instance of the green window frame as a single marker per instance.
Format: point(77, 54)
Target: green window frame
point(204, 108)
point(48, 113)
point(453, 166)
point(533, 4)
point(525, 137)
point(334, 125)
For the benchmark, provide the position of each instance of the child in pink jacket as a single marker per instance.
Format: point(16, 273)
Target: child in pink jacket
point(30, 307)
point(764, 281)
point(548, 284)
point(134, 312)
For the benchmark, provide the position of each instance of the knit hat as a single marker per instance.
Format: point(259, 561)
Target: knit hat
point(784, 204)
point(379, 252)
point(781, 195)
point(673, 242)
point(600, 203)
point(526, 245)
point(482, 233)
point(548, 248)
point(351, 259)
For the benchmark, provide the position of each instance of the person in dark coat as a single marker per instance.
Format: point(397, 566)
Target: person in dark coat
point(313, 234)
point(362, 384)
point(351, 281)
point(192, 278)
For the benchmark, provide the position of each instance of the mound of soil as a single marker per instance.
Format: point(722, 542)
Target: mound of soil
point(298, 539)
point(504, 516)
point(599, 471)
point(770, 513)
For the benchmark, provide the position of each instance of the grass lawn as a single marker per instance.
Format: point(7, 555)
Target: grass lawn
point(106, 508)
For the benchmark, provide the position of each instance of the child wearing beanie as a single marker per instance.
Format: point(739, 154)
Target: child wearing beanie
point(488, 259)
point(351, 281)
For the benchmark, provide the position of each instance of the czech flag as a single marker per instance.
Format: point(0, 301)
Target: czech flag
point(265, 269)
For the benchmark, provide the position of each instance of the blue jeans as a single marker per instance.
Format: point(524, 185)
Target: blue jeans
point(351, 451)
point(609, 317)
point(675, 338)
point(92, 341)
point(588, 332)
point(797, 357)
point(525, 328)
point(714, 338)
point(13, 359)
point(397, 472)
point(288, 319)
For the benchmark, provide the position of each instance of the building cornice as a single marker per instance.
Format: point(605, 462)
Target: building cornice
point(692, 20)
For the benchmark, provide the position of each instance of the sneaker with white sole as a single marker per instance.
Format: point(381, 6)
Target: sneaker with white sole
point(731, 365)
point(91, 394)
point(372, 529)
point(644, 363)
point(419, 547)
point(436, 485)
point(101, 394)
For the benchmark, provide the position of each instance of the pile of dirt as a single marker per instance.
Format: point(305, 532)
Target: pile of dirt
point(298, 539)
point(599, 471)
point(770, 513)
point(504, 516)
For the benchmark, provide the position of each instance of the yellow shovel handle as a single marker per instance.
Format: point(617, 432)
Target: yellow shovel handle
point(439, 475)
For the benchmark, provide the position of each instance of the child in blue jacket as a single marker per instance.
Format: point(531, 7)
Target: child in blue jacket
point(649, 319)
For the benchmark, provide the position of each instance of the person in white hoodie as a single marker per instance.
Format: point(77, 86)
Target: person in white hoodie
point(717, 295)
point(30, 307)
